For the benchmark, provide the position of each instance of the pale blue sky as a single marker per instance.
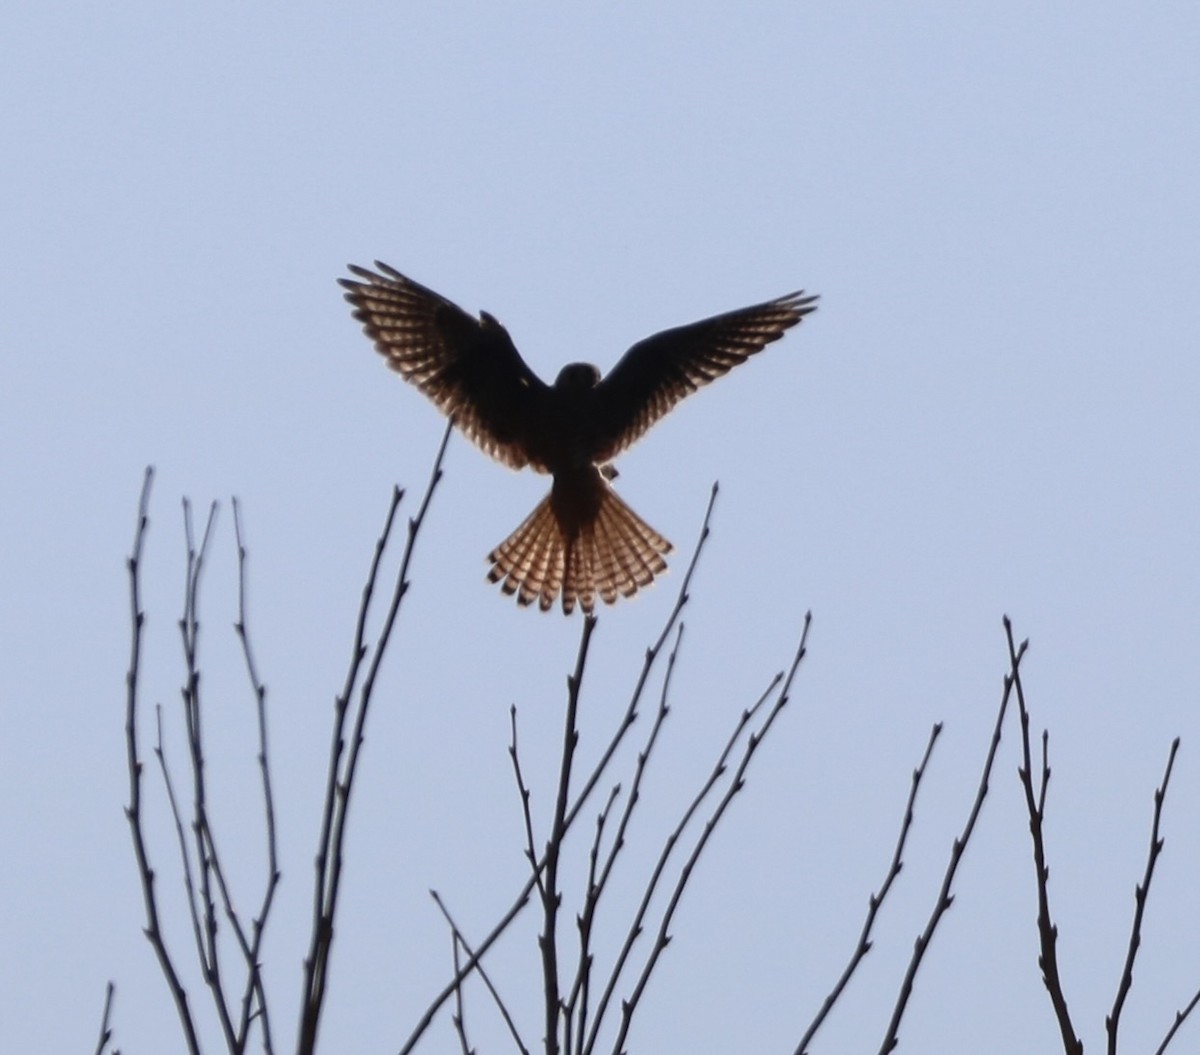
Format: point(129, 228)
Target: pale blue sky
point(994, 410)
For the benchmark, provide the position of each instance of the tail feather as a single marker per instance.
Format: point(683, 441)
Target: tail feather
point(615, 575)
point(558, 552)
point(636, 547)
point(608, 571)
point(578, 585)
point(524, 559)
point(544, 568)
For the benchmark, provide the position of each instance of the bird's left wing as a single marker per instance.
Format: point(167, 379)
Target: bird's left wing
point(658, 372)
point(469, 367)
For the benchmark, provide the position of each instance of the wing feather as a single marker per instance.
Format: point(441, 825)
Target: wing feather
point(468, 367)
point(658, 372)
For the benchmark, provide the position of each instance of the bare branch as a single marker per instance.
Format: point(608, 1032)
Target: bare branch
point(652, 654)
point(736, 783)
point(945, 898)
point(1140, 892)
point(598, 883)
point(105, 1029)
point(1036, 809)
point(1180, 1018)
point(875, 902)
point(340, 780)
point(523, 791)
point(133, 812)
point(637, 926)
point(1045, 778)
point(458, 1017)
point(459, 973)
point(551, 898)
point(319, 937)
point(640, 767)
point(251, 951)
point(575, 1012)
point(522, 898)
point(185, 858)
point(208, 863)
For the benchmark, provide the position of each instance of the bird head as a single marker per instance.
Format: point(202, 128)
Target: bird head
point(577, 377)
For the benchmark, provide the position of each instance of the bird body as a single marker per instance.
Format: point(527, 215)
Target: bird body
point(581, 541)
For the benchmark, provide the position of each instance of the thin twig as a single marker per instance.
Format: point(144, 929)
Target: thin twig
point(1044, 783)
point(598, 883)
point(471, 964)
point(735, 785)
point(189, 885)
point(458, 1015)
point(320, 936)
point(945, 898)
point(495, 993)
point(637, 926)
point(523, 791)
point(551, 898)
point(226, 898)
point(640, 766)
point(1180, 1018)
point(340, 781)
point(652, 654)
point(875, 902)
point(206, 853)
point(133, 812)
point(105, 1029)
point(251, 951)
point(575, 1012)
point(1140, 892)
point(522, 897)
point(1036, 809)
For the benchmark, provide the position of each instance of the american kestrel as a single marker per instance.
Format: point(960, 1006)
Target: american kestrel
point(582, 540)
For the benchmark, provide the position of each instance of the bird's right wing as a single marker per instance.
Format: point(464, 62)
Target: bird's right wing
point(469, 367)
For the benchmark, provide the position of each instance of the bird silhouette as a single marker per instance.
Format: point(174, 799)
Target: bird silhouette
point(581, 541)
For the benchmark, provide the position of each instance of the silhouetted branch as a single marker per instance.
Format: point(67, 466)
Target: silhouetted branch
point(185, 858)
point(322, 936)
point(189, 629)
point(522, 898)
point(344, 761)
point(483, 975)
point(1140, 892)
point(652, 654)
point(875, 902)
point(639, 770)
point(251, 950)
point(572, 1023)
point(551, 898)
point(105, 1029)
point(207, 858)
point(199, 895)
point(1180, 1018)
point(1036, 808)
point(578, 1006)
point(133, 812)
point(575, 1011)
point(523, 790)
point(458, 1015)
point(736, 783)
point(945, 898)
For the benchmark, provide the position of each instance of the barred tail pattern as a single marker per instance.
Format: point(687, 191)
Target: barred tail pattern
point(609, 554)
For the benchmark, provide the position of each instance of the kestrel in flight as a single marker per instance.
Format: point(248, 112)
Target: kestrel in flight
point(581, 541)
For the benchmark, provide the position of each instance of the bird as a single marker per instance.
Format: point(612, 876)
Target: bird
point(582, 541)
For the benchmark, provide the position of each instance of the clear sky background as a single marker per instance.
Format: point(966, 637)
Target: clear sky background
point(994, 411)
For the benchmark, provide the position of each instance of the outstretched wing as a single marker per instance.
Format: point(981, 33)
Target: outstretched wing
point(658, 372)
point(469, 367)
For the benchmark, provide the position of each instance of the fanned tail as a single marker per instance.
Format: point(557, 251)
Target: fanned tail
point(582, 541)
